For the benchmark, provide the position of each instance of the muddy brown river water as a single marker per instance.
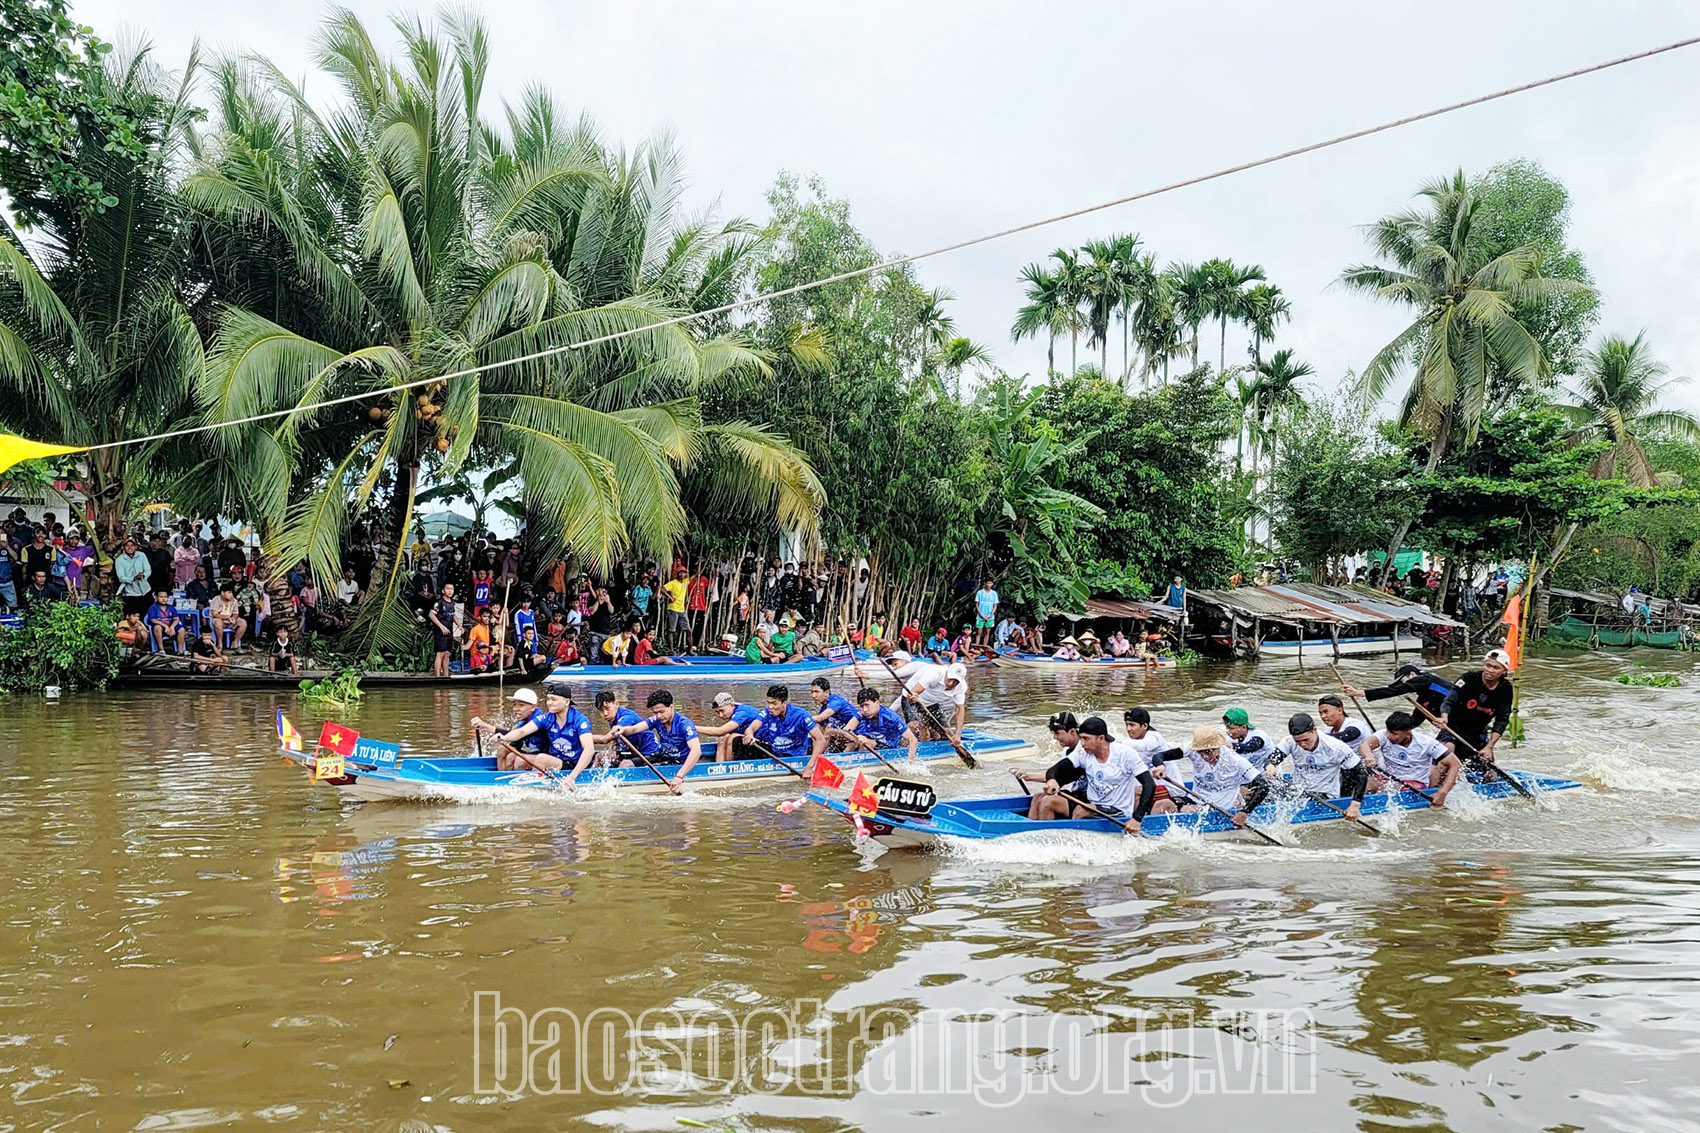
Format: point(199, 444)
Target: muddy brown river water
point(196, 937)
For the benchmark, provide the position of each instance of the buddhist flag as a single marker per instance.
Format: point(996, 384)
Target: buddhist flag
point(1513, 620)
point(287, 737)
point(827, 774)
point(862, 797)
point(338, 738)
point(15, 450)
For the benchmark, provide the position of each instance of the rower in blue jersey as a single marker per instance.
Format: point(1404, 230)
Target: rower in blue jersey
point(786, 730)
point(562, 730)
point(618, 716)
point(672, 729)
point(875, 727)
point(729, 733)
point(831, 710)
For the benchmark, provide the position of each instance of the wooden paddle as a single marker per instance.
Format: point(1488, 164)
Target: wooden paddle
point(1482, 763)
point(1174, 785)
point(554, 776)
point(932, 718)
point(1364, 712)
point(666, 782)
point(1076, 800)
point(773, 755)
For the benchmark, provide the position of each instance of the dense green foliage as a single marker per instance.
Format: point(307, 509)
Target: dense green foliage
point(60, 643)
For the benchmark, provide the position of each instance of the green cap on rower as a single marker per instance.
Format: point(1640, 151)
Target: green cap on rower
point(1236, 717)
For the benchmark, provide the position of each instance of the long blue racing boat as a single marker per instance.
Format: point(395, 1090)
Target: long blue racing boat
point(1007, 815)
point(466, 778)
point(704, 667)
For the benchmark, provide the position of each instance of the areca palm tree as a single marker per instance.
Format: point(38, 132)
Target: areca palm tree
point(1265, 309)
point(1190, 285)
point(1157, 328)
point(1466, 326)
point(1225, 296)
point(1616, 398)
point(1045, 312)
point(406, 238)
point(97, 340)
point(1278, 401)
point(956, 355)
point(1107, 282)
point(1072, 289)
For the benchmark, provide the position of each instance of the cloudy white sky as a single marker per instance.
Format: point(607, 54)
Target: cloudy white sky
point(940, 120)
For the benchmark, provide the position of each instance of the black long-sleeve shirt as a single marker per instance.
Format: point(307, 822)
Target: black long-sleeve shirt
point(1429, 690)
point(1471, 708)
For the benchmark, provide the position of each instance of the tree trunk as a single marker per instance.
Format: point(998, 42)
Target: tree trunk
point(1051, 357)
point(1222, 359)
point(1074, 352)
point(1442, 434)
point(108, 495)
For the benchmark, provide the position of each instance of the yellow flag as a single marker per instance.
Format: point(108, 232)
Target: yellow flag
point(16, 449)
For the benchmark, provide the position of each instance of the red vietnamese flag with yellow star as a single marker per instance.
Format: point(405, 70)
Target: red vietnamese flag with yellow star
point(827, 773)
point(862, 798)
point(338, 738)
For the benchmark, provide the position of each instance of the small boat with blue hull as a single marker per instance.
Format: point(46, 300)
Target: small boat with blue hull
point(1007, 815)
point(706, 667)
point(1096, 664)
point(465, 777)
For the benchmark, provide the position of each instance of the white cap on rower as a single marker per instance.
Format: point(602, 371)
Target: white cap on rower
point(956, 672)
point(1499, 656)
point(524, 696)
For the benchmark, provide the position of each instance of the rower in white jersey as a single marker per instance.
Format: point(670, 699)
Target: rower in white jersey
point(1253, 743)
point(1319, 762)
point(1220, 776)
point(1348, 731)
point(1402, 753)
point(1150, 743)
point(1118, 780)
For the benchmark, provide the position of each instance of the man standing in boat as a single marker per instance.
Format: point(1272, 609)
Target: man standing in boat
point(937, 689)
point(1408, 680)
point(1477, 709)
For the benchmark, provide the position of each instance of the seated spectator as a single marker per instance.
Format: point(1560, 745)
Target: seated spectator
point(347, 589)
point(254, 603)
point(204, 653)
point(478, 643)
point(223, 612)
point(645, 653)
point(282, 653)
point(81, 557)
point(131, 632)
point(164, 623)
point(812, 641)
point(200, 590)
point(40, 590)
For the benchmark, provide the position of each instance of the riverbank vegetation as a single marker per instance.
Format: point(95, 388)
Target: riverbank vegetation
point(201, 243)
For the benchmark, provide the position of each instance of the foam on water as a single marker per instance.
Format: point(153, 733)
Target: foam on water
point(1617, 770)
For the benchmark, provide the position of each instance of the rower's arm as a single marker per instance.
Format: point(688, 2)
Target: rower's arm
point(1255, 793)
point(911, 741)
point(1064, 772)
point(694, 753)
point(817, 740)
point(519, 733)
point(1397, 688)
point(1147, 796)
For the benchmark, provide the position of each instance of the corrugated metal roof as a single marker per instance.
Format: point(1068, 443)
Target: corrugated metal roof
point(1128, 608)
point(1341, 605)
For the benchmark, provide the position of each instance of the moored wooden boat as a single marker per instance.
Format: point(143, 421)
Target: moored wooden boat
point(1323, 648)
point(1046, 661)
point(708, 667)
point(468, 778)
point(1004, 816)
point(172, 676)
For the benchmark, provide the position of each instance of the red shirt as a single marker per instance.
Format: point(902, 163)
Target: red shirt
point(699, 594)
point(911, 636)
point(645, 654)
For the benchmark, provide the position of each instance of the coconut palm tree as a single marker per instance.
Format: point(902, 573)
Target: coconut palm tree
point(1045, 312)
point(1466, 326)
point(406, 238)
point(98, 336)
point(1616, 395)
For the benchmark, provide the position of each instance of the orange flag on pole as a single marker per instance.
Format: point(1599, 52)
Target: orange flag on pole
point(1513, 621)
point(862, 798)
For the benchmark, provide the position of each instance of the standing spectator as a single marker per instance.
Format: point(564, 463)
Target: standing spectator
point(678, 621)
point(132, 569)
point(442, 619)
point(200, 589)
point(185, 560)
point(80, 558)
point(232, 560)
point(1177, 594)
point(986, 611)
point(600, 620)
point(254, 604)
point(160, 573)
point(524, 617)
point(8, 587)
point(37, 554)
point(697, 605)
point(642, 594)
point(363, 558)
point(309, 599)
